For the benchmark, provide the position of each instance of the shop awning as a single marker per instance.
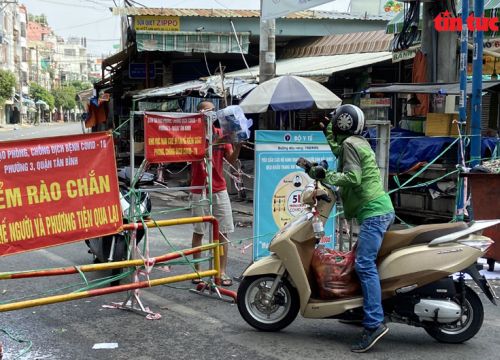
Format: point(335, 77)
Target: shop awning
point(317, 66)
point(42, 104)
point(441, 88)
point(350, 43)
point(172, 90)
point(117, 58)
point(235, 87)
point(491, 9)
point(188, 42)
point(26, 100)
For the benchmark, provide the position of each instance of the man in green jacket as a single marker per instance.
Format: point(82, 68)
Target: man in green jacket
point(363, 198)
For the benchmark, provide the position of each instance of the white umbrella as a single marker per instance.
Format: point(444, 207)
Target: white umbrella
point(286, 93)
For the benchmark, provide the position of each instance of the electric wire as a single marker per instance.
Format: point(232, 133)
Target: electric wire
point(84, 24)
point(409, 33)
point(73, 4)
point(241, 49)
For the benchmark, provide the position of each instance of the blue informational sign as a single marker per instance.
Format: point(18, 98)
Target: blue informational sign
point(279, 182)
point(138, 71)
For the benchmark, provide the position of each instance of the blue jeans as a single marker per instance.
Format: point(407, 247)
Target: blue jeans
point(371, 233)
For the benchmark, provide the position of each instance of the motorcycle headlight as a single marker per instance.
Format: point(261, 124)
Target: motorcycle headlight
point(481, 245)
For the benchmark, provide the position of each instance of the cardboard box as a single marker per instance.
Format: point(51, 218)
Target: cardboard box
point(438, 124)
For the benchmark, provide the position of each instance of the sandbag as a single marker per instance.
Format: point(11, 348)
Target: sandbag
point(334, 273)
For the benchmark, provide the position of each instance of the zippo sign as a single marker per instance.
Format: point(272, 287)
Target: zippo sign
point(157, 23)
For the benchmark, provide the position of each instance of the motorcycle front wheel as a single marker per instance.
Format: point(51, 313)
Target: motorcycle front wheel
point(263, 313)
point(466, 327)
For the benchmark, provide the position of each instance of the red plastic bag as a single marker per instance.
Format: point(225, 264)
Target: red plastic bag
point(335, 274)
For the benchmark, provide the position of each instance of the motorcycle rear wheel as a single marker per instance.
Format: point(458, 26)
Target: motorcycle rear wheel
point(272, 315)
point(465, 328)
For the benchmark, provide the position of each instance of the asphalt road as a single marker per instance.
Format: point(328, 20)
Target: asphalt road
point(192, 326)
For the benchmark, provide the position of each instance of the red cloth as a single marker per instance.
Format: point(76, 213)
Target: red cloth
point(199, 173)
point(96, 114)
point(419, 75)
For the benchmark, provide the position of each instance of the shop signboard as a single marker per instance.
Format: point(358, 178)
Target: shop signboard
point(138, 71)
point(407, 54)
point(157, 23)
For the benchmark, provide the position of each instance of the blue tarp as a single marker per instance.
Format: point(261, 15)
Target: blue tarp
point(409, 149)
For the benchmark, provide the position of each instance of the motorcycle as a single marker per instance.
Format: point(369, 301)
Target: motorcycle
point(115, 247)
point(416, 268)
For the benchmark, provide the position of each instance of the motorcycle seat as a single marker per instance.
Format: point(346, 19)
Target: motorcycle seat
point(422, 234)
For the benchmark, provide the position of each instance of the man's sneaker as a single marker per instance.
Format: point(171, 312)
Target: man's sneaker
point(369, 337)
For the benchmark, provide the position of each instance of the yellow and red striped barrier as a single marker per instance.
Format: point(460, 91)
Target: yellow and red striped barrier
point(215, 246)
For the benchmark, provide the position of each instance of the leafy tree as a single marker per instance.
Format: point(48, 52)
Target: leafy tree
point(7, 82)
point(81, 85)
point(64, 97)
point(38, 92)
point(41, 19)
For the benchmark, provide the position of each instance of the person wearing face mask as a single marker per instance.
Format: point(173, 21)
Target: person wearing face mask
point(363, 198)
point(221, 205)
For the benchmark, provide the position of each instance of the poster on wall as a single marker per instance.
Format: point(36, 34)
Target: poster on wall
point(174, 137)
point(57, 190)
point(279, 182)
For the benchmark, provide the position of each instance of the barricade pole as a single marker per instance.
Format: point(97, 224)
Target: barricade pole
point(105, 266)
point(104, 291)
point(128, 263)
point(189, 220)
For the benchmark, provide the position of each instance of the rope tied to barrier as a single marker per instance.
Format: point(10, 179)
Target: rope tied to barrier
point(77, 268)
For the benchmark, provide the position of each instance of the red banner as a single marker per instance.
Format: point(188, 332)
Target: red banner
point(57, 190)
point(174, 137)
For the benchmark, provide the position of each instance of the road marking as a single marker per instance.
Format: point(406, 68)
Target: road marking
point(56, 258)
point(181, 309)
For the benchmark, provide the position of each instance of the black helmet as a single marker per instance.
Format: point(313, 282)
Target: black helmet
point(348, 119)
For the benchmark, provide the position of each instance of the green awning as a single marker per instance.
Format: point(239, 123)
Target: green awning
point(187, 42)
point(491, 9)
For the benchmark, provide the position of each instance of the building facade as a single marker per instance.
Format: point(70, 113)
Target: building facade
point(14, 57)
point(71, 60)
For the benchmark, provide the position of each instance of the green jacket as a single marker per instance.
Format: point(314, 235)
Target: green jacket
point(358, 177)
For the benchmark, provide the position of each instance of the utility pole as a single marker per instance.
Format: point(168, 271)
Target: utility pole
point(21, 98)
point(428, 40)
point(267, 51)
point(446, 45)
point(267, 56)
point(37, 66)
point(438, 46)
point(477, 87)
